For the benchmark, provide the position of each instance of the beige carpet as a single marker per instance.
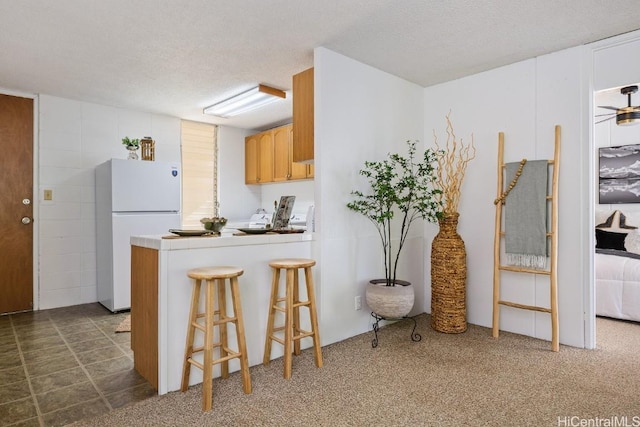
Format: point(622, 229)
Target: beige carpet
point(468, 379)
point(125, 325)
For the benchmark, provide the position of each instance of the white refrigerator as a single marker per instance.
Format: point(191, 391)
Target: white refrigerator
point(132, 198)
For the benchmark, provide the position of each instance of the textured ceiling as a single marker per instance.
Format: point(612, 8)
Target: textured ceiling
point(176, 57)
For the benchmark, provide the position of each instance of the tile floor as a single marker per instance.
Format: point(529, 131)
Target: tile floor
point(61, 365)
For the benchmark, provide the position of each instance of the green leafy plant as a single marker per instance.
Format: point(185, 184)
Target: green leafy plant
point(402, 186)
point(131, 142)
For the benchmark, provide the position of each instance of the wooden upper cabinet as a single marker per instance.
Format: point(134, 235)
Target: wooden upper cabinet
point(265, 157)
point(269, 157)
point(297, 170)
point(281, 153)
point(251, 159)
point(284, 168)
point(310, 171)
point(258, 158)
point(303, 125)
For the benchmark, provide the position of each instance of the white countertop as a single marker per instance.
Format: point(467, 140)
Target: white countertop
point(180, 243)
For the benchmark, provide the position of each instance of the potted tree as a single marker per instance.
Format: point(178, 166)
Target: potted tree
point(401, 191)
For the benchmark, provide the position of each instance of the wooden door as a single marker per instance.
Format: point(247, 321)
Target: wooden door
point(265, 156)
point(281, 158)
point(16, 204)
point(298, 170)
point(303, 120)
point(251, 159)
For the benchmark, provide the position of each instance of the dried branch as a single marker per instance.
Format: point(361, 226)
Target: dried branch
point(452, 163)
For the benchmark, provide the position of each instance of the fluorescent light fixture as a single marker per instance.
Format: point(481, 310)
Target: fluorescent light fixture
point(257, 97)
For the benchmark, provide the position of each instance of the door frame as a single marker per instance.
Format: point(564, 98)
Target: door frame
point(591, 84)
point(36, 192)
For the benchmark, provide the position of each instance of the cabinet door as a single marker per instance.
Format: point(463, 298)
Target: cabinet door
point(298, 170)
point(310, 171)
point(265, 157)
point(303, 126)
point(251, 159)
point(281, 155)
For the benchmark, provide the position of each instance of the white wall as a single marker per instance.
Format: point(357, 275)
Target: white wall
point(74, 137)
point(303, 190)
point(361, 113)
point(237, 200)
point(525, 101)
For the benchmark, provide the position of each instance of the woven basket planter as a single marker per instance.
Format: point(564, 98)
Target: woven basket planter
point(390, 301)
point(448, 278)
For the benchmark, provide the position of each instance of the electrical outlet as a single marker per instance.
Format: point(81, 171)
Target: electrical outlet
point(357, 303)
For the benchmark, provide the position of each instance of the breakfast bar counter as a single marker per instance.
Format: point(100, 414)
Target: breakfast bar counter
point(161, 295)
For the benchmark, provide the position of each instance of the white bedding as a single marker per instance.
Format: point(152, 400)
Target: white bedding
point(617, 287)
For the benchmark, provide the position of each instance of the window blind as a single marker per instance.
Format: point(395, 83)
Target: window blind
point(199, 172)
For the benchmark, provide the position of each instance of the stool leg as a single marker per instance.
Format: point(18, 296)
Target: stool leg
point(272, 312)
point(314, 316)
point(242, 345)
point(207, 377)
point(222, 327)
point(296, 313)
point(288, 324)
point(188, 348)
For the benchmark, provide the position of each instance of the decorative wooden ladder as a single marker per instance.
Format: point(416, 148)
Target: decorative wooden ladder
point(553, 255)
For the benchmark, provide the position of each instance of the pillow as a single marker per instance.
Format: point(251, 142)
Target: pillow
point(610, 240)
point(601, 215)
point(616, 222)
point(632, 242)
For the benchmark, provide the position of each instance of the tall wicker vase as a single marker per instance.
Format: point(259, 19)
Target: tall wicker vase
point(448, 278)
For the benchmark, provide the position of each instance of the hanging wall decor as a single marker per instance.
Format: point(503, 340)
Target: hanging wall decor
point(620, 174)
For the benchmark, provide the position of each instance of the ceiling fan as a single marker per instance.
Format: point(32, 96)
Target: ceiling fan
point(628, 115)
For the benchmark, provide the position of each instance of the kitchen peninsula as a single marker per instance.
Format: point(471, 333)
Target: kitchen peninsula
point(161, 296)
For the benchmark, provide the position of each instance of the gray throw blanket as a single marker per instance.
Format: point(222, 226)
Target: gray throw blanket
point(526, 215)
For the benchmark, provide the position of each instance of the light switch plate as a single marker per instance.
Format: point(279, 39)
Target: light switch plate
point(48, 194)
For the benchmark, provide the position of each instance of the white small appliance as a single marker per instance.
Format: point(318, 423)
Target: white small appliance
point(261, 220)
point(132, 198)
point(310, 220)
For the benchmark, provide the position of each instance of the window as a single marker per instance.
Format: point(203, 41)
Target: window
point(199, 172)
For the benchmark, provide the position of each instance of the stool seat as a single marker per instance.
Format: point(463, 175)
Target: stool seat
point(208, 273)
point(290, 305)
point(292, 263)
point(214, 280)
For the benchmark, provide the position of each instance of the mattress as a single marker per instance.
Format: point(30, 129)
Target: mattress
point(617, 286)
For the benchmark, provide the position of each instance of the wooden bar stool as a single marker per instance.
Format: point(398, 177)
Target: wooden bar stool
point(290, 305)
point(215, 276)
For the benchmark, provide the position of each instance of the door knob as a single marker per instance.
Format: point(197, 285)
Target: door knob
point(26, 220)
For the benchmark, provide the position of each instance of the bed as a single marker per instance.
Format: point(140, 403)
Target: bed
point(617, 268)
